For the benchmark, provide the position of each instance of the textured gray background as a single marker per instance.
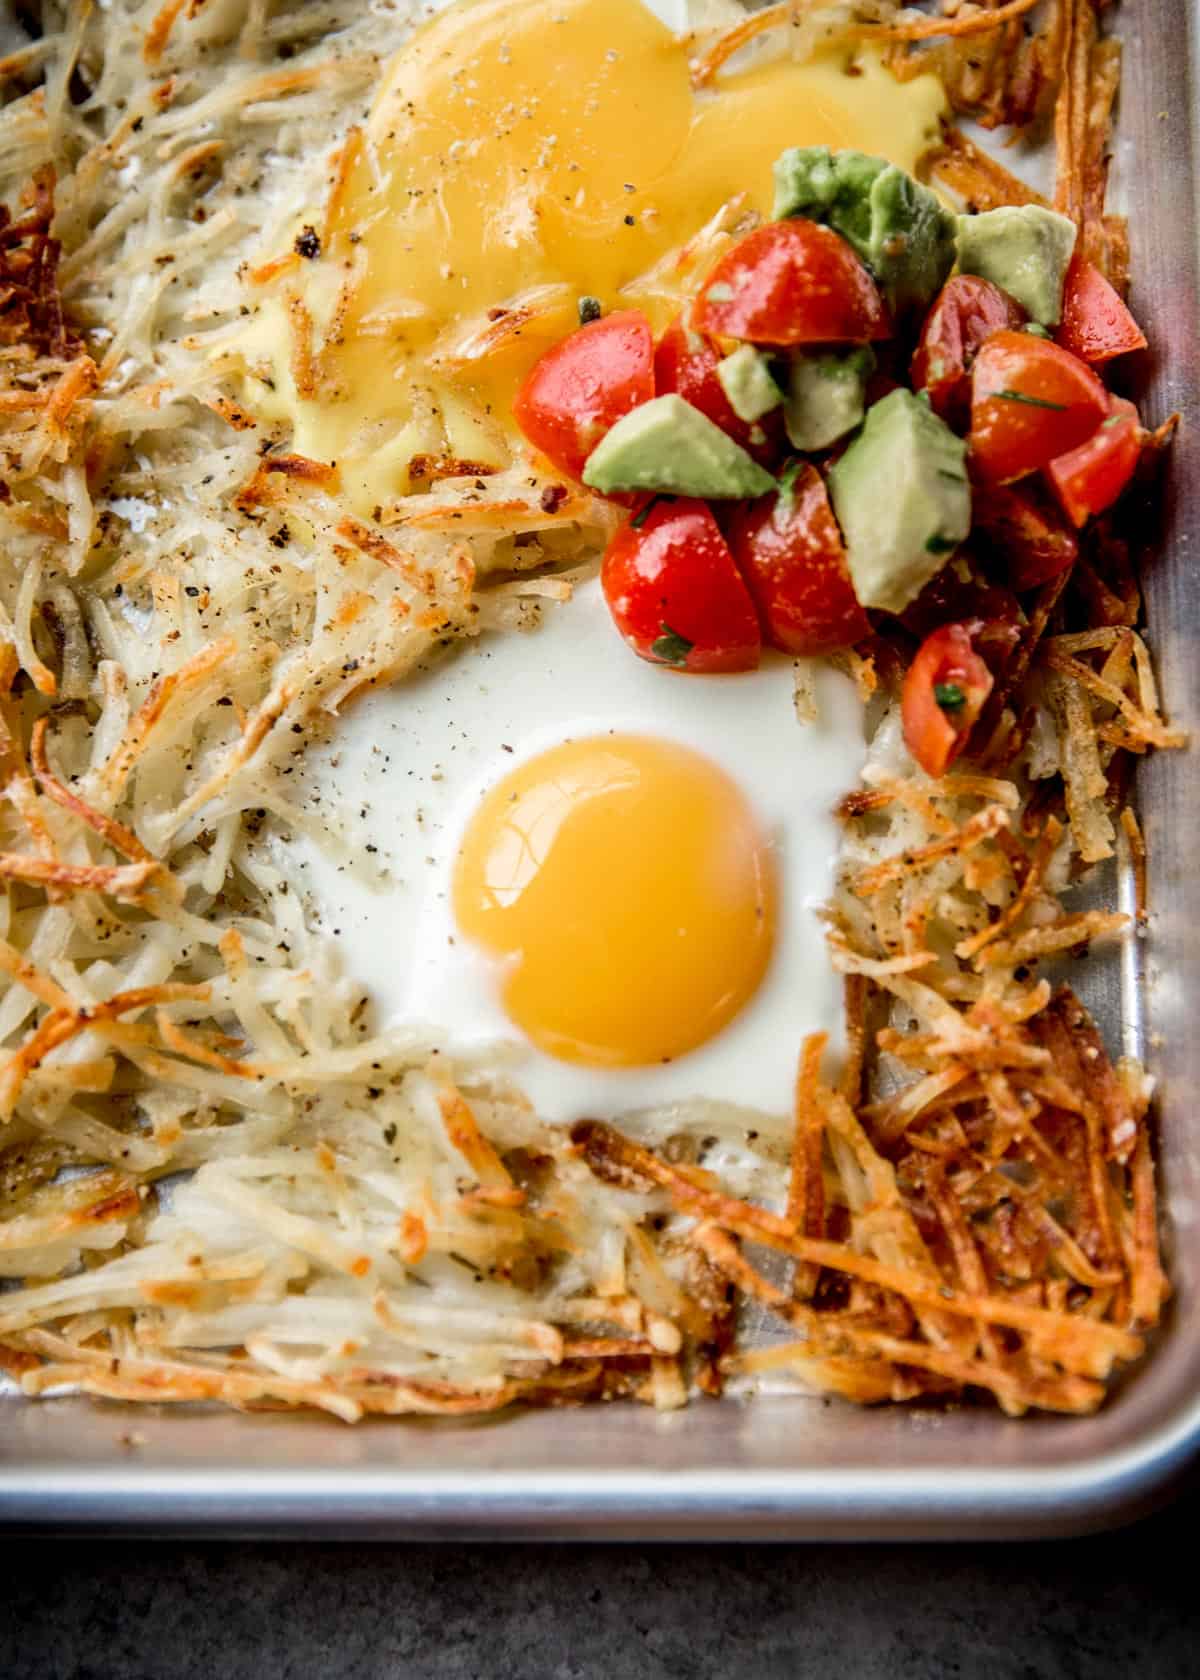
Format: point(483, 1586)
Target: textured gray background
point(1126, 1604)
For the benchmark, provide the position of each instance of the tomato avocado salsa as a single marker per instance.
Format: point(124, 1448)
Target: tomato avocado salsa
point(866, 389)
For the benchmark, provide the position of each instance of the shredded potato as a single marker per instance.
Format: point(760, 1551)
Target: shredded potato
point(215, 1183)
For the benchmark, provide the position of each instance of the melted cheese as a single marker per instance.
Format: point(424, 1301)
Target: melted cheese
point(519, 156)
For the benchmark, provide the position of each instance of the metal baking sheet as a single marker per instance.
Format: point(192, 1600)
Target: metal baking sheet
point(786, 1468)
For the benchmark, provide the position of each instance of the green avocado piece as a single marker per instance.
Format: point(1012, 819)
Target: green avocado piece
point(668, 446)
point(897, 226)
point(826, 396)
point(902, 498)
point(747, 381)
point(1024, 249)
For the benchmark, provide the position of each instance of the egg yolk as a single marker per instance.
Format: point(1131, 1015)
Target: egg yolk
point(627, 892)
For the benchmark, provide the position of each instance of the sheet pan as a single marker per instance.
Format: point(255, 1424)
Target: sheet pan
point(779, 1468)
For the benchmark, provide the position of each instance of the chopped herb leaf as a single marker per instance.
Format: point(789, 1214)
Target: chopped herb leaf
point(787, 489)
point(671, 647)
point(949, 696)
point(1113, 420)
point(590, 309)
point(642, 514)
point(939, 544)
point(1033, 402)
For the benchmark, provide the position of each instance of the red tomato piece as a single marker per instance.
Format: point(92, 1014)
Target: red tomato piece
point(965, 314)
point(1030, 401)
point(1028, 531)
point(943, 694)
point(1089, 479)
point(792, 283)
point(686, 362)
point(1095, 325)
point(676, 595)
point(789, 550)
point(584, 385)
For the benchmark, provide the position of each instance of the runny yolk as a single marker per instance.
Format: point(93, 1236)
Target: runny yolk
point(627, 892)
point(519, 155)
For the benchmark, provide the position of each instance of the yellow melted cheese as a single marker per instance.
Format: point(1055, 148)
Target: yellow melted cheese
point(517, 157)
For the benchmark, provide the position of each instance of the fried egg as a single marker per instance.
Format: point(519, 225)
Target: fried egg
point(607, 873)
point(610, 869)
point(521, 154)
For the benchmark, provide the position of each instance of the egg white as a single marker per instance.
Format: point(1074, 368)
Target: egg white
point(411, 763)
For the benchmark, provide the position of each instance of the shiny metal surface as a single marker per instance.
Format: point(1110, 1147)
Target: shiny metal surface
point(785, 1468)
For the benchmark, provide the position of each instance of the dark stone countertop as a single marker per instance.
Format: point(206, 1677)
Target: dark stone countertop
point(1123, 1605)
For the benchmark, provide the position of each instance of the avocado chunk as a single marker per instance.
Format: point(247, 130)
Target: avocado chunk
point(1024, 249)
point(747, 381)
point(826, 396)
point(668, 446)
point(898, 227)
point(901, 496)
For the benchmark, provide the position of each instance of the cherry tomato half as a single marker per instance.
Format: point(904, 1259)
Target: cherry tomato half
point(1030, 401)
point(1027, 530)
point(676, 595)
point(1089, 479)
point(584, 385)
point(686, 362)
point(943, 694)
point(965, 313)
point(1095, 324)
point(792, 283)
point(789, 550)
